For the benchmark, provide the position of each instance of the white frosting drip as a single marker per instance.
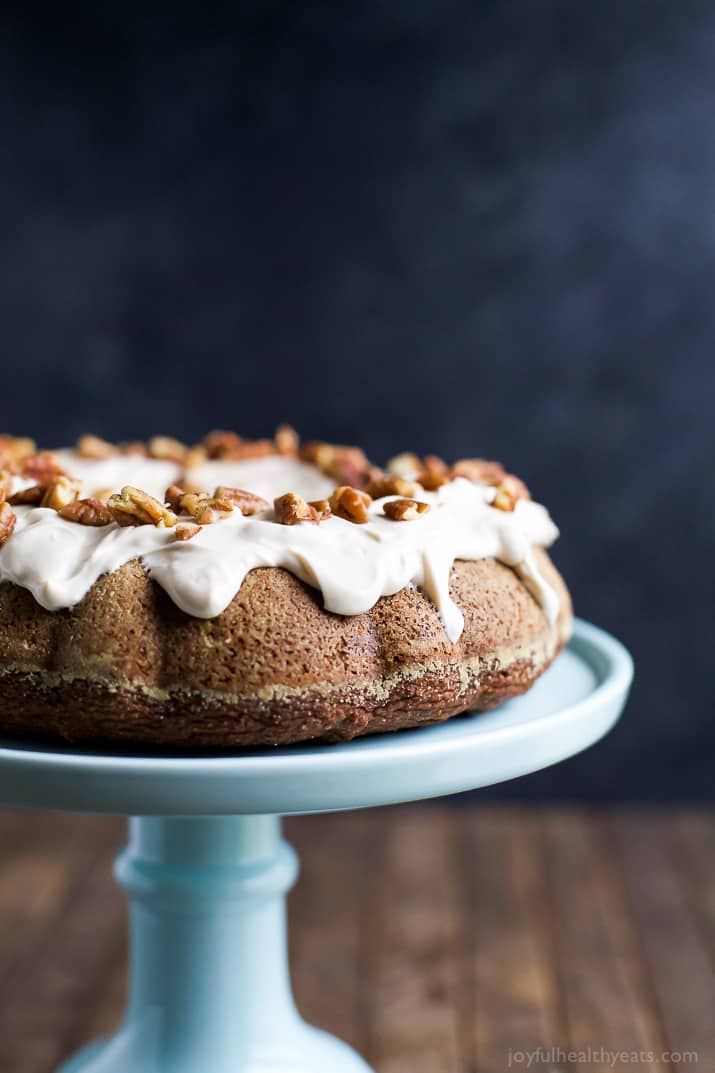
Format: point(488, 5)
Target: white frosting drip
point(352, 565)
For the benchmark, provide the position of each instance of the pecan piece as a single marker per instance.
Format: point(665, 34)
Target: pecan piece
point(186, 532)
point(291, 509)
point(392, 486)
point(221, 444)
point(95, 447)
point(90, 511)
point(42, 468)
point(406, 465)
point(13, 449)
point(195, 457)
point(132, 506)
point(246, 502)
point(321, 508)
point(509, 492)
point(28, 497)
point(286, 440)
point(405, 510)
point(173, 496)
point(60, 493)
point(350, 503)
point(5, 484)
point(7, 522)
point(479, 470)
point(205, 509)
point(133, 447)
point(346, 465)
point(434, 473)
point(167, 449)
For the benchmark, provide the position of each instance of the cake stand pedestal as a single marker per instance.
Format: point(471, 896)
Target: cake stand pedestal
point(206, 869)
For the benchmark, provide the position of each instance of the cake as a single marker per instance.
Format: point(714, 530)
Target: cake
point(253, 593)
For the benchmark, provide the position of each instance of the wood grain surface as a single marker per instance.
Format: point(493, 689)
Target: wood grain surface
point(433, 939)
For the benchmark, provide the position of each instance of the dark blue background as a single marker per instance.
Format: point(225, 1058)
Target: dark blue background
point(456, 227)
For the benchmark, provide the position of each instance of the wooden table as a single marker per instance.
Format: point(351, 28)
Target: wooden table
point(434, 939)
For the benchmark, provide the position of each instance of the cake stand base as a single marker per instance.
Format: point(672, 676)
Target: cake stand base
point(209, 984)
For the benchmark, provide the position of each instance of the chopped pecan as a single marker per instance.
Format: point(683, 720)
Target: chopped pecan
point(205, 509)
point(291, 509)
point(221, 444)
point(246, 502)
point(28, 497)
point(133, 447)
point(90, 511)
point(14, 448)
point(60, 493)
point(7, 522)
point(406, 465)
point(5, 484)
point(351, 504)
point(392, 486)
point(95, 447)
point(434, 473)
point(346, 465)
point(42, 468)
point(405, 510)
point(508, 492)
point(186, 532)
point(479, 470)
point(286, 440)
point(132, 506)
point(167, 449)
point(321, 508)
point(195, 457)
point(173, 496)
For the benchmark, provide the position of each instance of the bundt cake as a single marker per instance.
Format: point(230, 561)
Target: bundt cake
point(252, 593)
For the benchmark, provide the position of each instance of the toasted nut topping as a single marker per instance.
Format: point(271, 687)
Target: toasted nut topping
point(392, 486)
point(406, 465)
point(479, 470)
point(167, 448)
point(14, 448)
point(134, 447)
point(246, 502)
point(173, 496)
point(509, 492)
point(95, 447)
point(347, 465)
point(7, 522)
point(222, 444)
point(203, 508)
point(186, 532)
point(132, 506)
point(405, 510)
point(42, 468)
point(61, 493)
point(286, 440)
point(5, 484)
point(434, 473)
point(291, 509)
point(351, 504)
point(195, 457)
point(321, 508)
point(87, 512)
point(28, 497)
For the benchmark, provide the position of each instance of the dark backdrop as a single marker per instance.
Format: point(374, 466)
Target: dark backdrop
point(457, 227)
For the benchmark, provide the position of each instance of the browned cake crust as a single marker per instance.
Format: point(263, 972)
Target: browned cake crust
point(126, 666)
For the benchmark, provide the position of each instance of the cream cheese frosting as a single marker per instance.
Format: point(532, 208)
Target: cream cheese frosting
point(352, 565)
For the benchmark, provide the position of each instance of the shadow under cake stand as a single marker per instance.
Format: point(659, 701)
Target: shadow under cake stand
point(207, 871)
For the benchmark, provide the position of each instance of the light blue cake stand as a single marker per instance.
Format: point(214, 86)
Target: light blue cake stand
point(207, 871)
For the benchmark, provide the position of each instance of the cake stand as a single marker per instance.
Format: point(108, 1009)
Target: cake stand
point(206, 869)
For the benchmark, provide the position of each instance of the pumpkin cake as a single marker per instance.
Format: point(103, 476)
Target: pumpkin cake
point(252, 593)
